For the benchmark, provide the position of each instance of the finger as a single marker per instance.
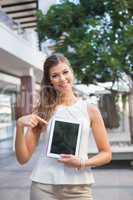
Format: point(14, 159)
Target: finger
point(34, 121)
point(64, 160)
point(41, 120)
point(33, 124)
point(66, 155)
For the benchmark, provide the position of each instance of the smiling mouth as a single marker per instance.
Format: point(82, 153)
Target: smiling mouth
point(64, 85)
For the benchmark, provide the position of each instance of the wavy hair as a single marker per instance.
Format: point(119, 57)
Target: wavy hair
point(49, 97)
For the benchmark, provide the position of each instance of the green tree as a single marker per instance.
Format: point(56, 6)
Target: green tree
point(97, 37)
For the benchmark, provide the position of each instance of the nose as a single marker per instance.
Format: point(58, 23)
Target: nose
point(62, 77)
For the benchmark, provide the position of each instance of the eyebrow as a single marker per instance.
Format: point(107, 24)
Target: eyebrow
point(57, 72)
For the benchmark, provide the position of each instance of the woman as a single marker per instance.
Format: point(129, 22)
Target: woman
point(68, 177)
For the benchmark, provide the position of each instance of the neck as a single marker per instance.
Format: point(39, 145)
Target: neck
point(67, 98)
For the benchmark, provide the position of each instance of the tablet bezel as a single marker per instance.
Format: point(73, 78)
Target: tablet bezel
point(54, 155)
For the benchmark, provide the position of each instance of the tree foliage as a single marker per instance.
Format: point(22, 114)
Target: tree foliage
point(97, 37)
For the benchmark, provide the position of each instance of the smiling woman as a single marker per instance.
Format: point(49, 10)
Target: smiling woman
point(61, 77)
point(69, 176)
point(56, 85)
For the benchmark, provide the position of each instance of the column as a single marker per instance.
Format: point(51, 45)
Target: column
point(24, 103)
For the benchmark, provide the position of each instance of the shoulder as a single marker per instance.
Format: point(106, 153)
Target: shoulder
point(93, 111)
point(92, 107)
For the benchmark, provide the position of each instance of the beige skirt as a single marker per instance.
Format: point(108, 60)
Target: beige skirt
point(60, 192)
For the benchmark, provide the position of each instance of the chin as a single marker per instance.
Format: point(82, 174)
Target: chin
point(63, 91)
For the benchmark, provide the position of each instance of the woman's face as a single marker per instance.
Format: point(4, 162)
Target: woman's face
point(61, 77)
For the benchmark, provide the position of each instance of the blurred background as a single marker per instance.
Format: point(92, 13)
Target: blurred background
point(97, 38)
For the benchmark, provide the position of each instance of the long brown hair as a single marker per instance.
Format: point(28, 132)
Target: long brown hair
point(49, 97)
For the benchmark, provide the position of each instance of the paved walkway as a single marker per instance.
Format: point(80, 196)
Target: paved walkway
point(115, 182)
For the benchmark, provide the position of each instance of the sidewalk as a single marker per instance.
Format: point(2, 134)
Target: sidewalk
point(112, 182)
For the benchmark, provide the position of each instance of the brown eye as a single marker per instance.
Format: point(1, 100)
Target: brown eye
point(65, 72)
point(54, 76)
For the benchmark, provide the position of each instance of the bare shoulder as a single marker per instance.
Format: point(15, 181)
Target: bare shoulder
point(96, 118)
point(93, 111)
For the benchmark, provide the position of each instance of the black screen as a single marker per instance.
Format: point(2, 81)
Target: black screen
point(64, 138)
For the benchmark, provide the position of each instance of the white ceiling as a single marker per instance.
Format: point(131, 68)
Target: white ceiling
point(21, 11)
point(16, 67)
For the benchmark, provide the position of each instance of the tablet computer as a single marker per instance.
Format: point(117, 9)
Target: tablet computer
point(64, 138)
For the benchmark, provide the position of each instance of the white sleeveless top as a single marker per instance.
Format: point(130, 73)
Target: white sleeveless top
point(49, 170)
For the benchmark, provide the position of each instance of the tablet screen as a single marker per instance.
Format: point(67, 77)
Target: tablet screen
point(64, 138)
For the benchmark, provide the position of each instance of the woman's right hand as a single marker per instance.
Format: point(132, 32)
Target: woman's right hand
point(31, 120)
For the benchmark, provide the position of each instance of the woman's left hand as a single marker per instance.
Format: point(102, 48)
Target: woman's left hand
point(70, 160)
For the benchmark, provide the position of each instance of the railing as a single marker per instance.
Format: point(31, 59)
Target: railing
point(16, 27)
point(9, 22)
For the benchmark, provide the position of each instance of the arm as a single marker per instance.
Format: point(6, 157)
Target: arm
point(25, 144)
point(100, 135)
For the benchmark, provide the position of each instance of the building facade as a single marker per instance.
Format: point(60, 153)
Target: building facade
point(21, 62)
